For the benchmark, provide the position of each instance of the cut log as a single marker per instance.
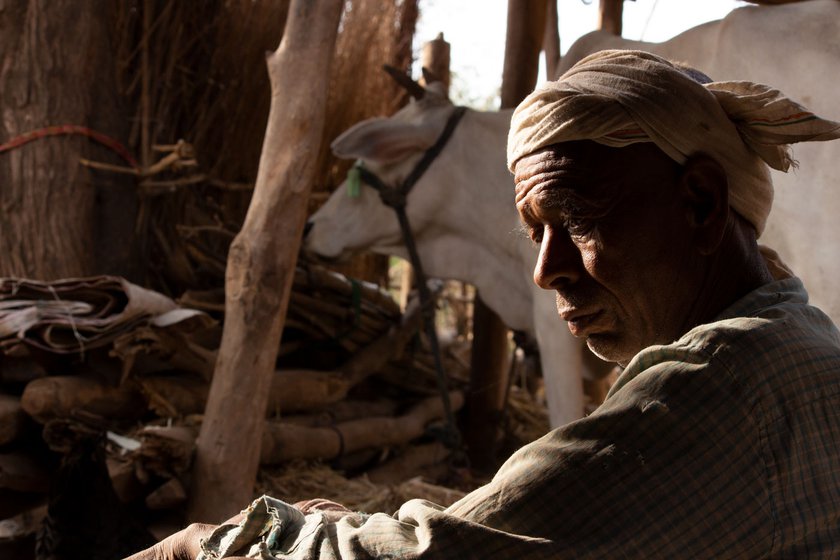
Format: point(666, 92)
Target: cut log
point(165, 451)
point(297, 390)
point(59, 396)
point(343, 411)
point(22, 525)
point(316, 277)
point(22, 473)
point(12, 418)
point(408, 463)
point(14, 371)
point(285, 442)
point(291, 391)
point(124, 480)
point(389, 346)
point(169, 495)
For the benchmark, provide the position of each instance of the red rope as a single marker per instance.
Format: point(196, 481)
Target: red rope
point(103, 139)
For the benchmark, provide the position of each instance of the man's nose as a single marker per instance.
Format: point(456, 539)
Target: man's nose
point(559, 261)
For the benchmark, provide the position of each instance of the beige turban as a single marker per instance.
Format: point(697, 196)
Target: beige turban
point(619, 98)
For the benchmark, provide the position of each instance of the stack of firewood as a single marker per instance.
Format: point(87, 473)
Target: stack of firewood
point(355, 387)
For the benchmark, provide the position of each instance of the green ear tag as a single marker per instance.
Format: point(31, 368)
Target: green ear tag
point(354, 182)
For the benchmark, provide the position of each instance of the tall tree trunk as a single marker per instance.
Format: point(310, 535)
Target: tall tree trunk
point(261, 263)
point(56, 68)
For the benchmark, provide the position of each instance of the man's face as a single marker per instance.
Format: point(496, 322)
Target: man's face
point(615, 242)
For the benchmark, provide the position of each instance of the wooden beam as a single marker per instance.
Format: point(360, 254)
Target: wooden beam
point(610, 16)
point(261, 264)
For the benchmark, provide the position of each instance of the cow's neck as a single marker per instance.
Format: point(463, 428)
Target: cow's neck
point(474, 237)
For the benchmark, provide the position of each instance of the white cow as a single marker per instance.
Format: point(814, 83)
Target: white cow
point(462, 209)
point(463, 218)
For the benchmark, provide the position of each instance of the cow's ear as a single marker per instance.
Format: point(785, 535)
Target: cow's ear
point(382, 140)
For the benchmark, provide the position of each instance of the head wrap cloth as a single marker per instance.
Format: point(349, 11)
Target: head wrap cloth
point(619, 98)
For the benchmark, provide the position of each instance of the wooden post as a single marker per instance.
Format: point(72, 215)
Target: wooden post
point(261, 264)
point(525, 32)
point(551, 41)
point(435, 58)
point(610, 16)
point(490, 356)
point(488, 382)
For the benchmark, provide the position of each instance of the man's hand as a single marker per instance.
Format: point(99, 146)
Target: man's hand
point(332, 511)
point(183, 545)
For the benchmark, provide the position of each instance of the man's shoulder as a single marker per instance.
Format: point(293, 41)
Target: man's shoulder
point(768, 342)
point(773, 328)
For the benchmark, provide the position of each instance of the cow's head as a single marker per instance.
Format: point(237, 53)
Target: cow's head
point(390, 148)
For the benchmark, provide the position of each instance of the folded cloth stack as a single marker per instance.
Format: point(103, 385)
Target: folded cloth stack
point(77, 314)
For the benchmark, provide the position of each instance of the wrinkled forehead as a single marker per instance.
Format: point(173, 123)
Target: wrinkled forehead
point(588, 169)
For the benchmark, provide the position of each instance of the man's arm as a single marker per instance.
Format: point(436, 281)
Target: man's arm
point(670, 466)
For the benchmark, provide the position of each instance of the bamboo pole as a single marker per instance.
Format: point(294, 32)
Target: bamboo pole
point(261, 263)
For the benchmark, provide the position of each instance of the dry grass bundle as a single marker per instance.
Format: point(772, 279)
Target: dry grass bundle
point(299, 481)
point(197, 72)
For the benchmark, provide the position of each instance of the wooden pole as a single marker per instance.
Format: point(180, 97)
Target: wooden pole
point(610, 15)
point(525, 32)
point(435, 58)
point(488, 381)
point(261, 264)
point(551, 41)
point(490, 356)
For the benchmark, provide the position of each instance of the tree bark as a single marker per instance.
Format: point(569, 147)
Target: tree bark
point(261, 263)
point(59, 218)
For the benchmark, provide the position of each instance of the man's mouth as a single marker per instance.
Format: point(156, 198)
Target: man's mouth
point(580, 322)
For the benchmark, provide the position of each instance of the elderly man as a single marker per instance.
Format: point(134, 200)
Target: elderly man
point(645, 186)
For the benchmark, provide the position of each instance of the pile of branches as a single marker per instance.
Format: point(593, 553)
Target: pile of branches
point(357, 388)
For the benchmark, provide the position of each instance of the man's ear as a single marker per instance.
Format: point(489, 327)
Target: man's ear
point(706, 192)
